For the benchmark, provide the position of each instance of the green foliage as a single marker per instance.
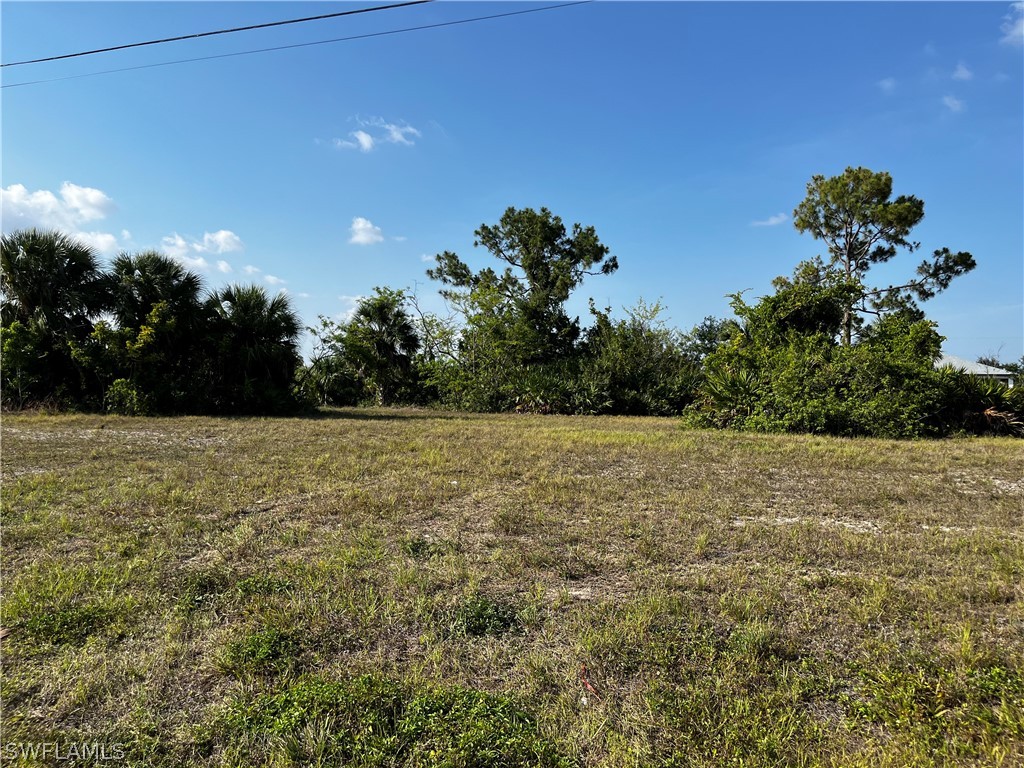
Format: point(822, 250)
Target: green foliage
point(853, 213)
point(164, 348)
point(520, 351)
point(463, 728)
point(636, 366)
point(371, 358)
point(256, 339)
point(52, 286)
point(263, 584)
point(979, 405)
point(958, 706)
point(518, 347)
point(783, 371)
point(329, 378)
point(380, 343)
point(480, 615)
point(545, 264)
point(714, 700)
point(264, 651)
point(197, 590)
point(160, 339)
point(124, 398)
point(70, 624)
point(825, 353)
point(705, 337)
point(372, 721)
point(805, 359)
point(23, 364)
point(51, 280)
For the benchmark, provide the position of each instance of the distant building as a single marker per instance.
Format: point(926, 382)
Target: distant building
point(978, 369)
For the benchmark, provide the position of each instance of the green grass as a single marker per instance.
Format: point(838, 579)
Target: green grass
point(415, 588)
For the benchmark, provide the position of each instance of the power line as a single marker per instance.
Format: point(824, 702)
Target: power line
point(303, 45)
point(216, 32)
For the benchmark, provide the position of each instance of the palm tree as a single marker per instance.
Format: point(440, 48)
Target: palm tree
point(163, 326)
point(49, 279)
point(141, 281)
point(52, 285)
point(258, 341)
point(382, 339)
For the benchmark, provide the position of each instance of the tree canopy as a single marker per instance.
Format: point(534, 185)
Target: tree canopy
point(855, 216)
point(545, 263)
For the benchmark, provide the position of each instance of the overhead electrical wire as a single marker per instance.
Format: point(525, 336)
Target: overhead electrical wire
point(304, 45)
point(216, 32)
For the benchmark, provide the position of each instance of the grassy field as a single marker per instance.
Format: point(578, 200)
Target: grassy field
point(411, 588)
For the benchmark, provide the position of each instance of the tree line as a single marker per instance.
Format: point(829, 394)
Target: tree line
point(142, 337)
point(827, 352)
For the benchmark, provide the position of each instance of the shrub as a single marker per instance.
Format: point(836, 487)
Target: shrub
point(124, 398)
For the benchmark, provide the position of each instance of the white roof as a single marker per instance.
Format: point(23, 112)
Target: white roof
point(978, 369)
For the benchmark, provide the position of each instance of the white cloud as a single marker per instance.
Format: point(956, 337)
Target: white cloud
point(87, 203)
point(391, 133)
point(962, 72)
point(302, 295)
point(953, 103)
point(273, 280)
point(394, 133)
point(771, 221)
point(1013, 25)
point(364, 140)
point(223, 266)
point(175, 245)
point(189, 251)
point(249, 269)
point(426, 258)
point(221, 241)
point(76, 205)
point(364, 233)
point(399, 238)
point(103, 242)
point(888, 84)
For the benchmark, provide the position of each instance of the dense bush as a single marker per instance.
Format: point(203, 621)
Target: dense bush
point(163, 346)
point(784, 370)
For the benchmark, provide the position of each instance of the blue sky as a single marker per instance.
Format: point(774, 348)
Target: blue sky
point(685, 133)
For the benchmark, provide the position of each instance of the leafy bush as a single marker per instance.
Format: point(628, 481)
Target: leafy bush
point(122, 397)
point(784, 371)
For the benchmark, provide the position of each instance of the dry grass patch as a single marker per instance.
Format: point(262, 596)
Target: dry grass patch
point(403, 587)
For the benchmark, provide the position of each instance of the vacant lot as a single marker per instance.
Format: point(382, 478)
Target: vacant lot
point(429, 589)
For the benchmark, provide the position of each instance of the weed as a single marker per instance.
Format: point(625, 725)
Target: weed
point(263, 584)
point(424, 548)
point(760, 640)
point(370, 720)
point(479, 615)
point(70, 624)
point(264, 651)
point(199, 589)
